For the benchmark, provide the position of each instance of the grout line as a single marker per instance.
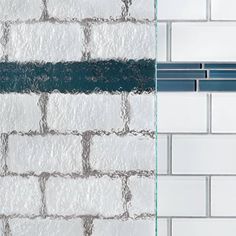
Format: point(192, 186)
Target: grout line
point(125, 111)
point(126, 196)
point(5, 40)
point(77, 175)
point(125, 8)
point(169, 41)
point(43, 102)
point(86, 54)
point(209, 113)
point(169, 227)
point(4, 151)
point(45, 15)
point(86, 142)
point(169, 154)
point(208, 196)
point(6, 227)
point(208, 10)
point(42, 183)
point(88, 226)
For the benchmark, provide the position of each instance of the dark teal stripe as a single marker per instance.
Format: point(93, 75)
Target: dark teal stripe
point(217, 85)
point(78, 76)
point(112, 76)
point(176, 85)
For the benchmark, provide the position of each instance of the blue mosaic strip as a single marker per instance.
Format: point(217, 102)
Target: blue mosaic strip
point(113, 76)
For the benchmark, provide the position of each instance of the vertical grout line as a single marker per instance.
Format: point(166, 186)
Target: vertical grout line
point(125, 111)
point(86, 54)
point(43, 102)
point(208, 196)
point(42, 184)
point(6, 227)
point(126, 196)
point(208, 10)
point(125, 8)
point(169, 154)
point(169, 227)
point(5, 40)
point(197, 85)
point(4, 151)
point(86, 142)
point(169, 41)
point(209, 113)
point(88, 226)
point(45, 15)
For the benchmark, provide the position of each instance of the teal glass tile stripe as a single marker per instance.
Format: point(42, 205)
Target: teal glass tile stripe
point(182, 74)
point(176, 85)
point(223, 74)
point(112, 76)
point(217, 85)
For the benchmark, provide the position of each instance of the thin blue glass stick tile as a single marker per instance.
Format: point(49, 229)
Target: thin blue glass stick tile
point(182, 74)
point(223, 74)
point(176, 85)
point(179, 66)
point(220, 66)
point(217, 85)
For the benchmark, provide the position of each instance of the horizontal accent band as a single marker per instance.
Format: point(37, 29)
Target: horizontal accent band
point(112, 76)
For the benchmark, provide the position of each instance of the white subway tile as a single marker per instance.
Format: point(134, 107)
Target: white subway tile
point(223, 195)
point(142, 9)
point(224, 112)
point(223, 9)
point(181, 9)
point(82, 9)
point(204, 154)
point(31, 42)
point(127, 41)
point(11, 10)
point(82, 112)
point(46, 227)
point(176, 112)
point(182, 112)
point(81, 196)
point(51, 153)
point(203, 41)
point(181, 196)
point(130, 227)
point(177, 196)
point(19, 195)
point(125, 153)
point(203, 227)
point(19, 112)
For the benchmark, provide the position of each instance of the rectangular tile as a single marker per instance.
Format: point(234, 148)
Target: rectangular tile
point(213, 41)
point(217, 85)
point(182, 74)
point(179, 66)
point(203, 227)
point(181, 10)
point(224, 112)
point(222, 74)
point(220, 66)
point(223, 195)
point(182, 112)
point(176, 85)
point(223, 9)
point(204, 154)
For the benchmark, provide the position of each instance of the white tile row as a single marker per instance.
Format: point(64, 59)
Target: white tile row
point(176, 112)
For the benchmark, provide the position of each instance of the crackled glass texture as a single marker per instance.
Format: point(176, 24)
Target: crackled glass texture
point(77, 122)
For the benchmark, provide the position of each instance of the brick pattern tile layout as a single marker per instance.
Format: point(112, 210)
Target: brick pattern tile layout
point(82, 163)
